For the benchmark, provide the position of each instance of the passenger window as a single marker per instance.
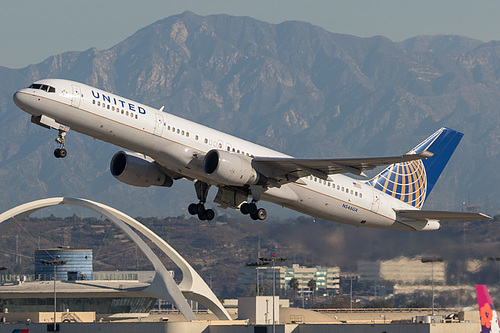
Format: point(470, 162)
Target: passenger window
point(360, 194)
point(178, 131)
point(108, 106)
point(112, 108)
point(93, 101)
point(206, 140)
point(187, 134)
point(136, 117)
point(196, 137)
point(182, 132)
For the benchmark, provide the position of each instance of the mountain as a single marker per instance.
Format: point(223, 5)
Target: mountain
point(294, 87)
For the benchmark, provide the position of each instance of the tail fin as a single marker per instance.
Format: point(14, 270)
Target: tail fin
point(412, 182)
point(489, 317)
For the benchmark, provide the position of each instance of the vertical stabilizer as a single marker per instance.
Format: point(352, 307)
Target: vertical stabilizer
point(489, 317)
point(412, 182)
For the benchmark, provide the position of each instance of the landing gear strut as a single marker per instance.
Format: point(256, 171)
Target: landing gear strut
point(60, 152)
point(199, 208)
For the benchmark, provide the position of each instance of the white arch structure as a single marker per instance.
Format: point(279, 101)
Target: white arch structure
point(192, 286)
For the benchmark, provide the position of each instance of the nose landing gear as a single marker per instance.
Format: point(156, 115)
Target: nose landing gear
point(61, 151)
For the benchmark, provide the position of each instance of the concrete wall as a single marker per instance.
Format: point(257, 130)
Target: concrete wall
point(206, 327)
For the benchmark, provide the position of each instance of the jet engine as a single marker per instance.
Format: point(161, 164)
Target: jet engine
point(136, 170)
point(230, 168)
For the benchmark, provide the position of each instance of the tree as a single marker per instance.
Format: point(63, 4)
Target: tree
point(294, 285)
point(312, 287)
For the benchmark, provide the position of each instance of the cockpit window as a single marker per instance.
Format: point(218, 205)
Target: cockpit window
point(43, 87)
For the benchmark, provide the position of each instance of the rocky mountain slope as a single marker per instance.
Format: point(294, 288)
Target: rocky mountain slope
point(293, 86)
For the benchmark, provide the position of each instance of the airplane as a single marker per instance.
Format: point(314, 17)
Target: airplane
point(163, 148)
point(487, 312)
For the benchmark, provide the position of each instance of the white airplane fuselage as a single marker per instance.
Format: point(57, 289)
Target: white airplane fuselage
point(179, 145)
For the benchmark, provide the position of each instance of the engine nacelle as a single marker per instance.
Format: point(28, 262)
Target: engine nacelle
point(133, 169)
point(230, 168)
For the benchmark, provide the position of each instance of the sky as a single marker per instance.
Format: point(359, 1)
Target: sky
point(32, 31)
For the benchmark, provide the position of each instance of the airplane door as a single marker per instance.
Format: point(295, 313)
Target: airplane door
point(76, 97)
point(158, 130)
point(376, 201)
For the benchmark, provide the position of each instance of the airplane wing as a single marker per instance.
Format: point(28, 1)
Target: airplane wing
point(293, 168)
point(421, 215)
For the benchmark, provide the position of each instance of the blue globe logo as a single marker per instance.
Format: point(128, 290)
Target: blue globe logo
point(405, 181)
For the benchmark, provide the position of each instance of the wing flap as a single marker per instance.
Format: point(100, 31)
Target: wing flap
point(280, 167)
point(421, 215)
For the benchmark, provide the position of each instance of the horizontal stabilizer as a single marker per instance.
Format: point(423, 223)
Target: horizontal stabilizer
point(421, 215)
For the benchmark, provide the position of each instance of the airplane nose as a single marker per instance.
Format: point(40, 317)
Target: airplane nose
point(20, 99)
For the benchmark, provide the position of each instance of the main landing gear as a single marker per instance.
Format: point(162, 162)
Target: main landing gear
point(251, 208)
point(199, 208)
point(60, 152)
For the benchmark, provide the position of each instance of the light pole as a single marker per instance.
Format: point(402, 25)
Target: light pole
point(257, 264)
point(432, 260)
point(54, 263)
point(273, 259)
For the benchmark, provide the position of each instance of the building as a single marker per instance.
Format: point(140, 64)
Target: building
point(406, 271)
point(117, 299)
point(77, 264)
point(327, 278)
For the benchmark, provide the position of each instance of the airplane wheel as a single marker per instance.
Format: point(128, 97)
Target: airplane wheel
point(210, 214)
point(244, 208)
point(260, 214)
point(57, 153)
point(63, 153)
point(200, 208)
point(252, 208)
point(203, 216)
point(193, 209)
